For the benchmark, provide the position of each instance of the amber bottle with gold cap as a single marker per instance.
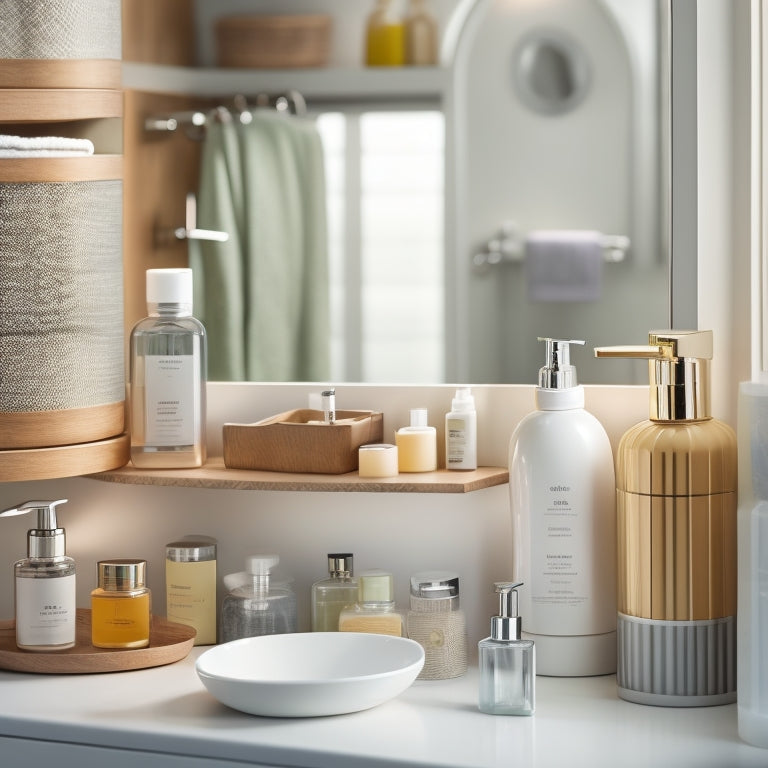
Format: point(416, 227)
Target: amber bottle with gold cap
point(676, 480)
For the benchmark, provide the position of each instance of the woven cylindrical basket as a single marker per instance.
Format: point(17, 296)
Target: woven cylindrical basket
point(289, 41)
point(60, 43)
point(62, 378)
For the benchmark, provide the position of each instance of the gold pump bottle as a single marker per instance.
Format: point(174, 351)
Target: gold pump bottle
point(676, 481)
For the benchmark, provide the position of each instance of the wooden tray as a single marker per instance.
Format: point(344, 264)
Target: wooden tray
point(168, 642)
point(298, 441)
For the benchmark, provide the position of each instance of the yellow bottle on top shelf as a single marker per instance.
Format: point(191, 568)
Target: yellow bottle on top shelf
point(385, 37)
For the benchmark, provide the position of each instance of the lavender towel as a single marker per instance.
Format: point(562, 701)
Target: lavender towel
point(564, 265)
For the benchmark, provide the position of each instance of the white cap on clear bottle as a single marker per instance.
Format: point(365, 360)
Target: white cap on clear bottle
point(170, 286)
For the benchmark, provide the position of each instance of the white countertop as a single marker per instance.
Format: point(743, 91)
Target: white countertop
point(167, 711)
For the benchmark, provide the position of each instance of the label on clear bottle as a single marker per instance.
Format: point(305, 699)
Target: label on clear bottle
point(45, 611)
point(171, 382)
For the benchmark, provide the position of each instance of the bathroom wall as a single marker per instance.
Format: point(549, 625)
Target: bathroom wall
point(401, 532)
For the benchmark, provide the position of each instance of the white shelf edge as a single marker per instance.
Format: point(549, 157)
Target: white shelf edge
point(412, 83)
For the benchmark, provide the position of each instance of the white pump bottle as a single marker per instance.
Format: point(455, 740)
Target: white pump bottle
point(562, 499)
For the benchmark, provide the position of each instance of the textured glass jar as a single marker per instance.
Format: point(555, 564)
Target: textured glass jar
point(437, 623)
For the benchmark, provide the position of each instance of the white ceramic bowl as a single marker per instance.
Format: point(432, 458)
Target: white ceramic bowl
point(308, 674)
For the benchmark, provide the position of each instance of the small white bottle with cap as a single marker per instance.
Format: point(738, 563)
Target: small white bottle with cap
point(168, 375)
point(461, 432)
point(507, 662)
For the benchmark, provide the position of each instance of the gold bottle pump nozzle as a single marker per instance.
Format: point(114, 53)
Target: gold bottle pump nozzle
point(678, 366)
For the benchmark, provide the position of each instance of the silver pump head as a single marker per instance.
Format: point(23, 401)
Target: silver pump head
point(340, 564)
point(558, 373)
point(47, 540)
point(508, 625)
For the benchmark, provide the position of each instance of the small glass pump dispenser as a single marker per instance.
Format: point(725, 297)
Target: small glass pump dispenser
point(256, 605)
point(120, 605)
point(168, 375)
point(507, 663)
point(374, 610)
point(44, 590)
point(330, 596)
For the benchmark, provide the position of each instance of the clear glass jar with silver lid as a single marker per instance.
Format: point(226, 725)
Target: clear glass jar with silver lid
point(436, 621)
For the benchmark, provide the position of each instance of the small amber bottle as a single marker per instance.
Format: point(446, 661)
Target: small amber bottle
point(120, 606)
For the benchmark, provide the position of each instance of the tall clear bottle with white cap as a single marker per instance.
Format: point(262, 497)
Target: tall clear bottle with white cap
point(168, 375)
point(461, 431)
point(563, 504)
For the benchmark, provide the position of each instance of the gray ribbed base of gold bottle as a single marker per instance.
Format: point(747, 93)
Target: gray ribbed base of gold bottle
point(677, 663)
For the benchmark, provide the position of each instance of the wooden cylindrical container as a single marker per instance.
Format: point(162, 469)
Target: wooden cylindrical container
point(60, 44)
point(62, 379)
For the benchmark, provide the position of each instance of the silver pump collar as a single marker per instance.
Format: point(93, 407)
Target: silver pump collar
point(558, 373)
point(47, 541)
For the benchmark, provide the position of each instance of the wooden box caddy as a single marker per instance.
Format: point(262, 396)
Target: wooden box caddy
point(299, 441)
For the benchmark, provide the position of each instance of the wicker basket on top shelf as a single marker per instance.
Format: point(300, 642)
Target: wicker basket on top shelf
point(273, 42)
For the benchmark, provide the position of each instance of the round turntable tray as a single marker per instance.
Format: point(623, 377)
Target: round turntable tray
point(168, 642)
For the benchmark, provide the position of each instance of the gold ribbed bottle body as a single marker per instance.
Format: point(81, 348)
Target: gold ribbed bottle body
point(676, 521)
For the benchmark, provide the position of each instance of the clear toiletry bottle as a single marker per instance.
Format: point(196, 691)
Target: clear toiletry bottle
point(437, 623)
point(330, 596)
point(190, 585)
point(420, 35)
point(375, 610)
point(44, 590)
point(168, 376)
point(461, 432)
point(121, 605)
point(384, 37)
point(563, 500)
point(507, 662)
point(255, 605)
point(417, 444)
point(752, 620)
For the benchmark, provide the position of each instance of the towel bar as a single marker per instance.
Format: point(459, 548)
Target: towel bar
point(508, 247)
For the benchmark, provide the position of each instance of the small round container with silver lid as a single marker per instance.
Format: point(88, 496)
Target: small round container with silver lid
point(436, 621)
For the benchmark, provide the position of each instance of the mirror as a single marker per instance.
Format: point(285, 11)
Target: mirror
point(555, 122)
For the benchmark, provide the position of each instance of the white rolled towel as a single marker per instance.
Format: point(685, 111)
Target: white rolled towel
point(44, 146)
point(564, 265)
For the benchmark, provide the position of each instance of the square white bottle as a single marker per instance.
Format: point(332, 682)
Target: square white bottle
point(507, 663)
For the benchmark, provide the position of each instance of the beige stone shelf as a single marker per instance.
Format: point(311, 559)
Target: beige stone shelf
point(215, 475)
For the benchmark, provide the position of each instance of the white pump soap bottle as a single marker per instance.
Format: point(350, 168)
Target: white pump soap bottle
point(562, 499)
point(44, 583)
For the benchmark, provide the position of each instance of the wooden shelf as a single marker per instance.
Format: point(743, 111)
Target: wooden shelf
point(215, 475)
point(328, 84)
point(31, 105)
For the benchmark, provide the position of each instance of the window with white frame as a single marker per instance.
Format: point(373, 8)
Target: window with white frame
point(385, 184)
